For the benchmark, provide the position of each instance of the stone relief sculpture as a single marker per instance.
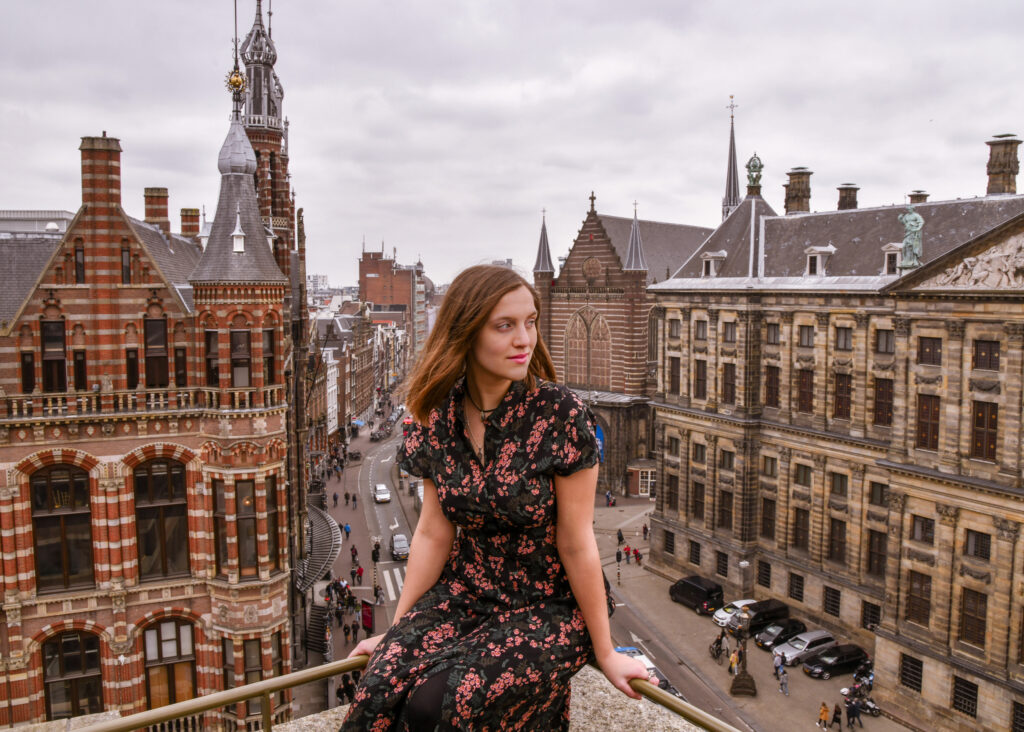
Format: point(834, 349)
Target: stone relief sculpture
point(1002, 266)
point(912, 246)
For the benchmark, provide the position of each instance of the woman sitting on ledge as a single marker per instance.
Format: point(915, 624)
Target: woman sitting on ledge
point(504, 598)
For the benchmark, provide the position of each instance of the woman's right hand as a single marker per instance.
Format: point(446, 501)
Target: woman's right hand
point(365, 646)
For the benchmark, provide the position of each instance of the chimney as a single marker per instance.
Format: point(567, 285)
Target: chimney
point(918, 196)
point(156, 208)
point(101, 171)
point(798, 190)
point(1002, 164)
point(848, 196)
point(190, 223)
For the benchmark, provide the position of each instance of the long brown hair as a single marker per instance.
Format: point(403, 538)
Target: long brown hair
point(470, 299)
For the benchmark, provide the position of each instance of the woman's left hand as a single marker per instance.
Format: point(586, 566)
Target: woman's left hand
point(619, 668)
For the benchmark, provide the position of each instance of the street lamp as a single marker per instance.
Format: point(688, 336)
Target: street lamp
point(743, 683)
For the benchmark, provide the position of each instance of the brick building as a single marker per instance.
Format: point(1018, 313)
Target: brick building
point(595, 314)
point(838, 425)
point(397, 293)
point(147, 496)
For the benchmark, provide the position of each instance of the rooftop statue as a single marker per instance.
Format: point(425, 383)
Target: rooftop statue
point(912, 247)
point(754, 168)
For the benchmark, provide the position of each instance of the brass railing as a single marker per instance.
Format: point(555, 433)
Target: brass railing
point(265, 688)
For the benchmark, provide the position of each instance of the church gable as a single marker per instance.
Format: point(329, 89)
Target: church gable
point(592, 261)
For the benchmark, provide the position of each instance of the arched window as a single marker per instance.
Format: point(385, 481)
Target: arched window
point(62, 526)
point(576, 352)
point(72, 680)
point(170, 662)
point(600, 354)
point(161, 519)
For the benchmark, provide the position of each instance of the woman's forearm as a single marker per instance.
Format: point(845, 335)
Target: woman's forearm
point(583, 568)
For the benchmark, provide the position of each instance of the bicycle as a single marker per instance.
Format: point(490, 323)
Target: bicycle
point(717, 652)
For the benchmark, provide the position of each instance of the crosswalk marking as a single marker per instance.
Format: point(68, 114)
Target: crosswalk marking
point(398, 578)
point(392, 579)
point(387, 584)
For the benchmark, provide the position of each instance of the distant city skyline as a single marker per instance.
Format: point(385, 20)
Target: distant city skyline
point(442, 129)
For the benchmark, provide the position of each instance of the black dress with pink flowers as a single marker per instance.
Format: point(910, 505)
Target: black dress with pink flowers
point(501, 624)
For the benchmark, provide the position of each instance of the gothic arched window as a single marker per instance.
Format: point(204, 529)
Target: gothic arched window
point(62, 527)
point(600, 354)
point(576, 352)
point(161, 519)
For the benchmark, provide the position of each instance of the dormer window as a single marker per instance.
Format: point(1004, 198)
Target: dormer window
point(238, 236)
point(891, 255)
point(817, 259)
point(711, 263)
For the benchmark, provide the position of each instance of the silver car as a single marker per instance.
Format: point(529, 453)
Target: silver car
point(381, 494)
point(803, 646)
point(722, 614)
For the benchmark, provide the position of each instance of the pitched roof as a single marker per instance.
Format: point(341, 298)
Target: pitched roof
point(543, 263)
point(24, 259)
point(635, 261)
point(175, 255)
point(666, 246)
point(734, 238)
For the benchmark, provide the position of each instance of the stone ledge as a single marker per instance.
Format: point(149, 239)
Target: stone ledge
point(597, 706)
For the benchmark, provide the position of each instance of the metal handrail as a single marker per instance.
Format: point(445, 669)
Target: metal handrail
point(267, 687)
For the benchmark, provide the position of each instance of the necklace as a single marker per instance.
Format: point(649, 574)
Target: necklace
point(484, 413)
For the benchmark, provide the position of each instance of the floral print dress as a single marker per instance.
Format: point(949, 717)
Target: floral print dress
point(501, 623)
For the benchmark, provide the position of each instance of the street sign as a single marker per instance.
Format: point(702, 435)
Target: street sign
point(367, 616)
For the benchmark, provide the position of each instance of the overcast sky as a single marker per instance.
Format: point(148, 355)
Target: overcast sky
point(442, 128)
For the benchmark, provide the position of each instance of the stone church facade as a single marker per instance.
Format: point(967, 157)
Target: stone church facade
point(841, 430)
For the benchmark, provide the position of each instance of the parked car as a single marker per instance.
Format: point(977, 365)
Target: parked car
point(354, 455)
point(654, 673)
point(381, 494)
point(804, 645)
point(722, 614)
point(399, 547)
point(841, 659)
point(700, 594)
point(779, 632)
point(755, 618)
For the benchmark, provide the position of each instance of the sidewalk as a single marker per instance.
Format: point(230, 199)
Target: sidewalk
point(690, 634)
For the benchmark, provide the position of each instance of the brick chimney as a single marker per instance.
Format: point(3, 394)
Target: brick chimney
point(918, 196)
point(190, 223)
point(798, 190)
point(848, 196)
point(1003, 165)
point(156, 208)
point(101, 171)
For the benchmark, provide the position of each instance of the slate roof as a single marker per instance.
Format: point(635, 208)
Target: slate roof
point(176, 256)
point(733, 237)
point(666, 246)
point(543, 263)
point(24, 258)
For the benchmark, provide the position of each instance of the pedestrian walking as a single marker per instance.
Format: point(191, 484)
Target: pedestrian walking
point(776, 665)
point(346, 497)
point(339, 614)
point(637, 556)
point(734, 661)
point(645, 531)
point(353, 551)
point(353, 573)
point(378, 594)
point(629, 552)
point(355, 630)
point(348, 530)
point(853, 713)
point(359, 574)
point(335, 499)
point(621, 538)
point(837, 717)
point(353, 500)
point(347, 631)
point(607, 498)
point(823, 716)
point(783, 681)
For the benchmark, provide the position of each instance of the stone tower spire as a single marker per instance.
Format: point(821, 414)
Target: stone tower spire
point(263, 105)
point(731, 199)
point(635, 261)
point(543, 263)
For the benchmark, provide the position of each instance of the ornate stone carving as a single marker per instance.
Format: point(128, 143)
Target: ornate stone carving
point(122, 647)
point(13, 613)
point(948, 515)
point(1000, 267)
point(955, 328)
point(6, 492)
point(250, 615)
point(927, 380)
point(787, 317)
point(1014, 330)
point(842, 362)
point(785, 453)
point(802, 496)
point(837, 503)
point(805, 360)
point(890, 366)
point(1006, 529)
point(902, 326)
point(699, 472)
point(919, 556)
point(730, 352)
point(712, 441)
point(771, 356)
point(857, 470)
point(861, 319)
point(822, 319)
point(896, 501)
point(107, 428)
point(986, 385)
point(73, 429)
point(17, 660)
point(700, 349)
point(977, 574)
point(768, 488)
point(119, 601)
point(712, 316)
point(819, 461)
point(876, 516)
point(5, 435)
point(725, 479)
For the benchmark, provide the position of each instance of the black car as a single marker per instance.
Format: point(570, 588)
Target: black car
point(779, 632)
point(841, 659)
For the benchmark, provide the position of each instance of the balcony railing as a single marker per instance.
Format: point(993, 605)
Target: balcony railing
point(157, 719)
point(34, 407)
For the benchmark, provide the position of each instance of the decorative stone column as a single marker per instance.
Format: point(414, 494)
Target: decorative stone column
point(1008, 453)
point(956, 410)
point(902, 401)
point(821, 371)
point(713, 364)
point(946, 556)
point(786, 368)
point(819, 511)
point(1002, 602)
point(855, 528)
point(858, 402)
point(711, 486)
point(783, 519)
point(892, 610)
point(686, 357)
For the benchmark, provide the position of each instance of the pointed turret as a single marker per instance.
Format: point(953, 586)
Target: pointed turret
point(543, 263)
point(264, 92)
point(731, 199)
point(635, 261)
point(226, 258)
